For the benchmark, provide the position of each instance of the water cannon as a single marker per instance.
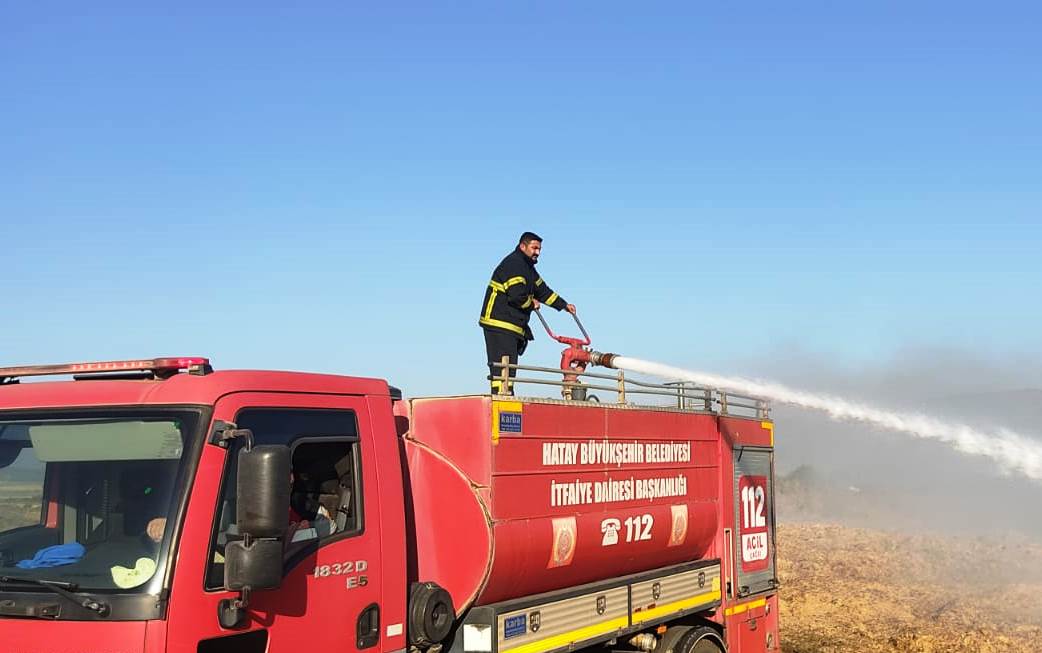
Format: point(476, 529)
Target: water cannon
point(575, 358)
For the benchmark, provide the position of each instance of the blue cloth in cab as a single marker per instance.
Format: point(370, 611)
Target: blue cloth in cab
point(54, 556)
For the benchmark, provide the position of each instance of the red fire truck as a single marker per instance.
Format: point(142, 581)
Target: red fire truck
point(158, 505)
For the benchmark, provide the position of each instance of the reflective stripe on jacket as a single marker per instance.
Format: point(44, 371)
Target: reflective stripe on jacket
point(510, 295)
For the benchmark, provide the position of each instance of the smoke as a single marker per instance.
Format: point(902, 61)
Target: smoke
point(1012, 452)
point(861, 474)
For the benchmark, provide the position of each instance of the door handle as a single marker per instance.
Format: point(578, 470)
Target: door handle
point(369, 627)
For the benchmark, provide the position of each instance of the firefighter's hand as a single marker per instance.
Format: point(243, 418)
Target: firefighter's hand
point(570, 308)
point(155, 528)
point(535, 304)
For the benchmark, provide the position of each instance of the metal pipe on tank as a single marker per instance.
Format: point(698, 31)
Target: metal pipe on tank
point(604, 360)
point(644, 642)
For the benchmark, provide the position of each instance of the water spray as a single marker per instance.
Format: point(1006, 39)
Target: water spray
point(1012, 451)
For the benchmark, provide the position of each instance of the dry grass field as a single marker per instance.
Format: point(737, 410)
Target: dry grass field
point(18, 511)
point(851, 589)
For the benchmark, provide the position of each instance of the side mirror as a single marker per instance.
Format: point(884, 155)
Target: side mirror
point(262, 491)
point(257, 566)
point(262, 511)
point(262, 515)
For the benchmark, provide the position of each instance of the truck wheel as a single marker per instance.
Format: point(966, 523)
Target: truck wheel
point(699, 640)
point(431, 614)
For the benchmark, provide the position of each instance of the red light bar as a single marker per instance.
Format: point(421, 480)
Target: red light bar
point(161, 366)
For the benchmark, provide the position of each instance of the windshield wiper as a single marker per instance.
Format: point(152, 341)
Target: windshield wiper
point(62, 588)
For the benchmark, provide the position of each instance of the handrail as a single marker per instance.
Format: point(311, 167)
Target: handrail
point(688, 396)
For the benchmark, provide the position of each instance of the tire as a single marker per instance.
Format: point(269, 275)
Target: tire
point(705, 646)
point(699, 640)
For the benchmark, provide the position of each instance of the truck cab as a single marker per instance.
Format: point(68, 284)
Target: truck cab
point(118, 498)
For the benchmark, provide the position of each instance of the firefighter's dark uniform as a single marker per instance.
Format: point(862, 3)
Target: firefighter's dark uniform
point(508, 304)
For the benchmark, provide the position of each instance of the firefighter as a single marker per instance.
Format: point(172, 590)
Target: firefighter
point(514, 291)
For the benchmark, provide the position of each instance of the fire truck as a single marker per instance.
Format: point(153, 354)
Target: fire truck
point(158, 505)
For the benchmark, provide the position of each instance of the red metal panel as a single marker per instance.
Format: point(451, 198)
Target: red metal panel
point(745, 431)
point(393, 574)
point(755, 630)
point(458, 428)
point(581, 421)
point(752, 636)
point(771, 622)
point(659, 424)
point(531, 556)
point(451, 540)
point(189, 604)
point(155, 636)
point(44, 636)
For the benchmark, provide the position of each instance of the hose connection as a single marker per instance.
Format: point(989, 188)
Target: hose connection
point(644, 642)
point(604, 360)
point(575, 358)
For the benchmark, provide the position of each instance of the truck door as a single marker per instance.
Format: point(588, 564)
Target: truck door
point(327, 601)
point(754, 520)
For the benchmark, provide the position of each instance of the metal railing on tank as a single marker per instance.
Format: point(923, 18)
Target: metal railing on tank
point(629, 391)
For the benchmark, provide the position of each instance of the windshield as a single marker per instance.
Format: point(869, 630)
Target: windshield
point(87, 500)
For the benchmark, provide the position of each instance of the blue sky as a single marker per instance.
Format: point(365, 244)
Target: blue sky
point(329, 187)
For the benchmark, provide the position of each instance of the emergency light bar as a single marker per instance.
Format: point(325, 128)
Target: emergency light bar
point(161, 367)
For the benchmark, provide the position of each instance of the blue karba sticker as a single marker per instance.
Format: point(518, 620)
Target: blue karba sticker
point(515, 626)
point(509, 422)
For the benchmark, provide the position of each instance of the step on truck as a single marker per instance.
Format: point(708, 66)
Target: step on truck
point(158, 505)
